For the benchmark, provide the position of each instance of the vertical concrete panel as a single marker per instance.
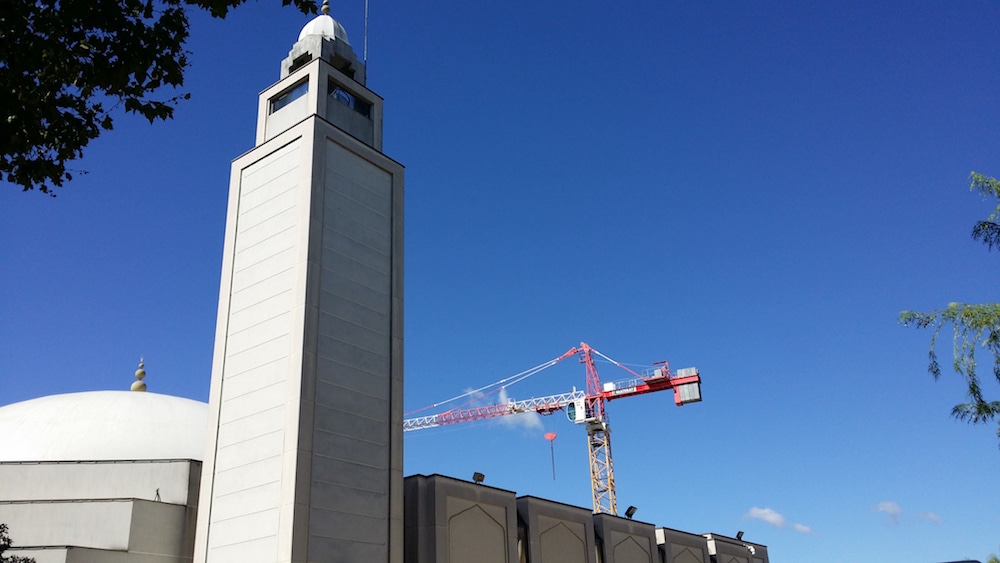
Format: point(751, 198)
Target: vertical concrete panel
point(683, 554)
point(625, 541)
point(560, 543)
point(102, 524)
point(349, 497)
point(628, 550)
point(556, 532)
point(681, 547)
point(246, 492)
point(452, 521)
point(158, 528)
point(760, 554)
point(476, 535)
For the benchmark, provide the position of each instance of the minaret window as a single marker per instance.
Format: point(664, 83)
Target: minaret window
point(289, 96)
point(350, 100)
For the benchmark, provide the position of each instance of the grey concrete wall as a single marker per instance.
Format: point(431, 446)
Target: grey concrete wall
point(107, 510)
point(555, 532)
point(176, 480)
point(135, 526)
point(724, 549)
point(452, 521)
point(681, 547)
point(51, 555)
point(90, 555)
point(160, 529)
point(625, 541)
point(100, 524)
point(760, 555)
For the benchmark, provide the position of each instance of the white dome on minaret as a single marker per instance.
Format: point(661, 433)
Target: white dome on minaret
point(325, 26)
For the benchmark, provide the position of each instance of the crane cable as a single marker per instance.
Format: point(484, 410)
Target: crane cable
point(615, 363)
point(479, 393)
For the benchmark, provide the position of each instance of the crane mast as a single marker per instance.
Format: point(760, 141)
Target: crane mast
point(602, 469)
point(586, 408)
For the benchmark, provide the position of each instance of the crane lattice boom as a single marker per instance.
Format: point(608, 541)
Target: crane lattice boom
point(540, 405)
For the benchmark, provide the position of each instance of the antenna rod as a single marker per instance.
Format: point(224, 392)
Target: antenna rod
point(553, 449)
point(551, 437)
point(366, 35)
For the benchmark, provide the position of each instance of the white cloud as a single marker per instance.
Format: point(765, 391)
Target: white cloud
point(525, 420)
point(775, 519)
point(767, 515)
point(930, 516)
point(891, 509)
point(803, 529)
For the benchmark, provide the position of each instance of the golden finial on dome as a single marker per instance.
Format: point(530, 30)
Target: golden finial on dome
point(140, 374)
point(326, 7)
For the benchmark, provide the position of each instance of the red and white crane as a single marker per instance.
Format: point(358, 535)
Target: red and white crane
point(586, 408)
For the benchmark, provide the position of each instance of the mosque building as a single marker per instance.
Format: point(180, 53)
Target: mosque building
point(114, 477)
point(277, 467)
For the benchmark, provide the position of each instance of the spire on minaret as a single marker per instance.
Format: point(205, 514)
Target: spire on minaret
point(325, 26)
point(324, 38)
point(140, 374)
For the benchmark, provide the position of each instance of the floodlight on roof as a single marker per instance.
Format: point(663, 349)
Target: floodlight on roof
point(478, 478)
point(630, 512)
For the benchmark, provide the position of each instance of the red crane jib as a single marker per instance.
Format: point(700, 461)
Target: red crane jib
point(650, 385)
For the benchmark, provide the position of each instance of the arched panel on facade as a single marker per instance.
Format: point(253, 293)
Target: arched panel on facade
point(474, 535)
point(560, 544)
point(630, 551)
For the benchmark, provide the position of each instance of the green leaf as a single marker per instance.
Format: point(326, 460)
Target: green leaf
point(974, 326)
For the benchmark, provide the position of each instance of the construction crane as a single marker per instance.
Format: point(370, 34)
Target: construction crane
point(585, 408)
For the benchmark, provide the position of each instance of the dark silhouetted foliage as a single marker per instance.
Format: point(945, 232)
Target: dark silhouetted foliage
point(66, 66)
point(6, 544)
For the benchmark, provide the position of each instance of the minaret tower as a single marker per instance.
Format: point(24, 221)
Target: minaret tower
point(305, 448)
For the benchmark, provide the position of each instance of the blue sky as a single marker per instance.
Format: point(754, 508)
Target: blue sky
point(754, 188)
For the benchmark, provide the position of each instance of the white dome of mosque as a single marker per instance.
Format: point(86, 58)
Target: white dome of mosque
point(102, 426)
point(326, 26)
